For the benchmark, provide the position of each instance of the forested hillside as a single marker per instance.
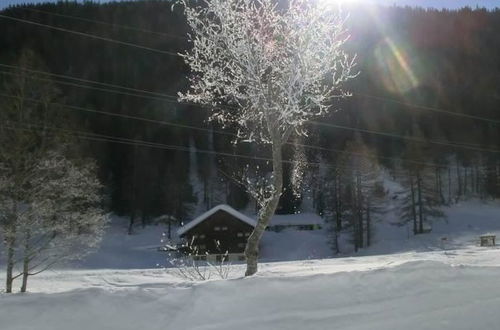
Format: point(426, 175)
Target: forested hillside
point(424, 110)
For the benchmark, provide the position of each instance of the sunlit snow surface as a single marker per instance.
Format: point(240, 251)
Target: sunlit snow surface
point(460, 291)
point(415, 284)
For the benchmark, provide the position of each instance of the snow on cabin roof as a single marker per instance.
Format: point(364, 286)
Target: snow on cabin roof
point(296, 219)
point(204, 216)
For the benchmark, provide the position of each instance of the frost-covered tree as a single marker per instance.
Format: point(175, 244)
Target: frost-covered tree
point(268, 69)
point(55, 216)
point(64, 218)
point(50, 209)
point(24, 137)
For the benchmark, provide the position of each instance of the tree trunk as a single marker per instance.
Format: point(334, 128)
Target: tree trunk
point(439, 183)
point(478, 180)
point(266, 212)
point(459, 181)
point(413, 205)
point(338, 203)
point(26, 260)
point(170, 227)
point(368, 222)
point(354, 214)
point(10, 242)
point(359, 206)
point(336, 241)
point(420, 204)
point(131, 223)
point(436, 180)
point(133, 200)
point(449, 185)
point(465, 181)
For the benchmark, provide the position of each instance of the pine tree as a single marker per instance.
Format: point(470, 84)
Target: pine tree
point(359, 173)
point(421, 198)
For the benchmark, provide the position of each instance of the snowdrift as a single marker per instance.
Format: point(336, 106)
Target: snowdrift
point(416, 295)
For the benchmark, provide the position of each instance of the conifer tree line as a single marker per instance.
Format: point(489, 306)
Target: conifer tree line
point(452, 60)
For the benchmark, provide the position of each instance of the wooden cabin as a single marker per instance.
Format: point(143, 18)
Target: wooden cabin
point(216, 232)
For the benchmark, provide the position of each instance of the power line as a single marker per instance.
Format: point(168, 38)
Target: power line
point(97, 88)
point(108, 138)
point(125, 27)
point(92, 36)
point(161, 97)
point(89, 81)
point(385, 134)
point(156, 96)
point(391, 135)
point(175, 98)
point(380, 98)
point(427, 108)
point(451, 113)
point(407, 104)
point(118, 115)
point(221, 132)
point(213, 131)
point(398, 136)
point(134, 142)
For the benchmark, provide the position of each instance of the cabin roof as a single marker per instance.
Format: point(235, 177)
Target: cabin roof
point(296, 219)
point(223, 207)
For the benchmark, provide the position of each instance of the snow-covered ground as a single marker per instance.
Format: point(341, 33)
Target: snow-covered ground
point(119, 250)
point(427, 290)
point(140, 250)
point(401, 282)
point(464, 224)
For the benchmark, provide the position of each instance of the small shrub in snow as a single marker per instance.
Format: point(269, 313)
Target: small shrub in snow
point(188, 264)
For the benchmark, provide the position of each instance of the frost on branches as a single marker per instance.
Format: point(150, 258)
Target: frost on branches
point(267, 69)
point(54, 216)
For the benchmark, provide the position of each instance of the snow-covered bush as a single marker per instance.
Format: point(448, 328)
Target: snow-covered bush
point(187, 263)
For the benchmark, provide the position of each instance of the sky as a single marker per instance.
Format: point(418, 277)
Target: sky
point(450, 4)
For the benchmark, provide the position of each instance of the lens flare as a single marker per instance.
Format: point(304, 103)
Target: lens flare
point(395, 68)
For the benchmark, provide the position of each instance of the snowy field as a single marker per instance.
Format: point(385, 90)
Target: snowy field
point(456, 290)
point(421, 282)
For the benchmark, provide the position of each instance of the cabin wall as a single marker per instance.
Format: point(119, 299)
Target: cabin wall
point(222, 227)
